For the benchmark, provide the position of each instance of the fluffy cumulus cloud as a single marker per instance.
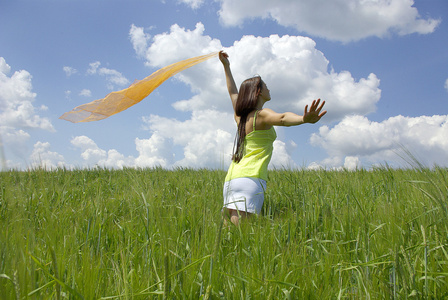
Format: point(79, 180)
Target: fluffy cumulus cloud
point(280, 156)
point(295, 70)
point(205, 138)
point(357, 138)
point(18, 115)
point(341, 20)
point(95, 156)
point(90, 151)
point(42, 157)
point(169, 47)
point(16, 101)
point(153, 152)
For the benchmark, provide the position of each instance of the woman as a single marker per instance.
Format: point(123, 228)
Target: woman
point(247, 175)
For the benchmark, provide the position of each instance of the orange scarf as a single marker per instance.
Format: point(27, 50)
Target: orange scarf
point(116, 102)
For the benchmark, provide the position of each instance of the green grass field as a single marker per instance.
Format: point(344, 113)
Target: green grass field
point(154, 233)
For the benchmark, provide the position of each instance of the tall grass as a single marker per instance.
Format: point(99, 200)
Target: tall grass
point(154, 233)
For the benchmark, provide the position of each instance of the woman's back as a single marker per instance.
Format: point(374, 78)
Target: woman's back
point(250, 122)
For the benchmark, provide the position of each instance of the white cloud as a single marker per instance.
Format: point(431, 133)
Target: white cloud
point(95, 156)
point(281, 158)
point(446, 85)
point(357, 136)
point(352, 163)
point(93, 68)
point(44, 158)
point(153, 152)
point(341, 20)
point(114, 159)
point(293, 68)
point(139, 40)
point(205, 139)
point(85, 93)
point(113, 77)
point(91, 153)
point(18, 114)
point(178, 44)
point(69, 71)
point(4, 67)
point(16, 101)
point(194, 4)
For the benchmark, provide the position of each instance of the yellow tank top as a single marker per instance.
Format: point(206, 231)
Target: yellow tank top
point(258, 146)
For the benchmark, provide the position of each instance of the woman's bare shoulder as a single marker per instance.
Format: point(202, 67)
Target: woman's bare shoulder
point(262, 116)
point(266, 112)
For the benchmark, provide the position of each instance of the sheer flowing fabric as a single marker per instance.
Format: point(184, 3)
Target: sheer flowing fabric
point(116, 102)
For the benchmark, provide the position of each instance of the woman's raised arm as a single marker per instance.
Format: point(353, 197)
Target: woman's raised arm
point(231, 86)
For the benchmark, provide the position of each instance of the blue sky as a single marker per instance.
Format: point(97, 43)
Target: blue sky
point(382, 67)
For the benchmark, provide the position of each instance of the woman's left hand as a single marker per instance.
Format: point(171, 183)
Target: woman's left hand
point(224, 58)
point(314, 115)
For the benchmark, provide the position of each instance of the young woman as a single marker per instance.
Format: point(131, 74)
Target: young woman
point(246, 178)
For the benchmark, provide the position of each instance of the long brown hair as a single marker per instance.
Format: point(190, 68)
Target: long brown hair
point(246, 102)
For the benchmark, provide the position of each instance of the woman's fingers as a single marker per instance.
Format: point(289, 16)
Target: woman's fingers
point(314, 114)
point(223, 54)
point(320, 107)
point(314, 105)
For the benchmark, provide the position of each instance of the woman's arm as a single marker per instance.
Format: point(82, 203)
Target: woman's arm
point(231, 86)
point(268, 117)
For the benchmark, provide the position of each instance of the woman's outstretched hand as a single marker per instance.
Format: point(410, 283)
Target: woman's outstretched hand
point(315, 113)
point(223, 57)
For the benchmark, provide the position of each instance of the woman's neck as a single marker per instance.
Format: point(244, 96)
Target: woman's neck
point(260, 103)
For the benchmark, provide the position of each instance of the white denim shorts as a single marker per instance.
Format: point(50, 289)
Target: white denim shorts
point(244, 194)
